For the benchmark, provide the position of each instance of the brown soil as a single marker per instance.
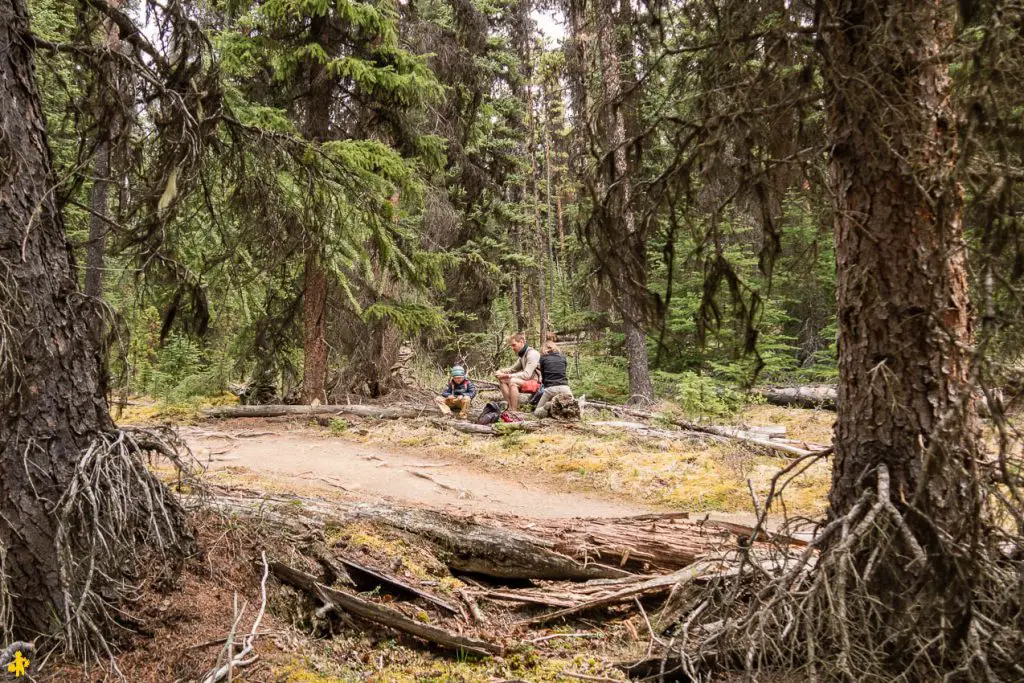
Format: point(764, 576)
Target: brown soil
point(288, 457)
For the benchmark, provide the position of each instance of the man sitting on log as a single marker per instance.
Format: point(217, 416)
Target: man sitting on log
point(554, 375)
point(523, 376)
point(458, 394)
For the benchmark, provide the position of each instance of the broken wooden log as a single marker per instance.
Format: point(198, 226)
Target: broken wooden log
point(504, 547)
point(483, 549)
point(638, 544)
point(379, 614)
point(496, 429)
point(801, 397)
point(371, 411)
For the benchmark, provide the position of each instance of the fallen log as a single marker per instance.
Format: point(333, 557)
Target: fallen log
point(786, 446)
point(801, 397)
point(371, 411)
point(506, 547)
point(639, 544)
point(379, 614)
point(647, 430)
point(492, 551)
point(496, 429)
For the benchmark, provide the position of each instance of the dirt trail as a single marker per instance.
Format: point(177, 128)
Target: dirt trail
point(399, 476)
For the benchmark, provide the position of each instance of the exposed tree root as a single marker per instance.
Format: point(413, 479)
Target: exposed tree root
point(117, 523)
point(864, 600)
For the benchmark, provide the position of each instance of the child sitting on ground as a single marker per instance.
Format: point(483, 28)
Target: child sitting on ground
point(458, 394)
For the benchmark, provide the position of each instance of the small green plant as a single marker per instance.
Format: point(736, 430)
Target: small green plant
point(338, 426)
point(511, 438)
point(702, 395)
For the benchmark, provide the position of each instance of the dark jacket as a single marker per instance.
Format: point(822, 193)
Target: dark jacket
point(553, 370)
point(464, 389)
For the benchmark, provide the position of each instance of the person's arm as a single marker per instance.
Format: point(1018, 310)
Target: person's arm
point(517, 366)
point(447, 390)
point(470, 390)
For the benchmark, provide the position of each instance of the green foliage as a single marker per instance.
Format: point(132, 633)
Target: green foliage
point(182, 370)
point(795, 321)
point(602, 376)
point(409, 317)
point(699, 395)
point(338, 426)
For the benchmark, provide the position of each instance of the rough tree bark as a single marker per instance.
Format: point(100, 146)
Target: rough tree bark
point(52, 398)
point(314, 304)
point(314, 327)
point(99, 194)
point(904, 314)
point(618, 213)
point(98, 202)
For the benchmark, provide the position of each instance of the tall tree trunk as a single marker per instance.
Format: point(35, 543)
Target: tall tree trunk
point(99, 194)
point(539, 243)
point(314, 307)
point(52, 395)
point(904, 318)
point(314, 326)
point(641, 389)
point(618, 212)
point(99, 203)
point(373, 347)
point(548, 215)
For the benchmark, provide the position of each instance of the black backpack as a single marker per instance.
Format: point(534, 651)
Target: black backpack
point(490, 414)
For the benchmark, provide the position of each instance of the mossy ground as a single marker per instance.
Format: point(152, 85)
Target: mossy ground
point(695, 475)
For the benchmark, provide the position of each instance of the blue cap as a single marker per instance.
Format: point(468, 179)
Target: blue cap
point(458, 371)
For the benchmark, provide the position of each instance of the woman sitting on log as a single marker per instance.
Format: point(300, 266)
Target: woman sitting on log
point(554, 378)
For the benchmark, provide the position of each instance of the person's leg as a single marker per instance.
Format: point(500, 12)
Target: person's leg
point(442, 403)
point(541, 411)
point(503, 387)
point(549, 395)
point(513, 394)
point(463, 407)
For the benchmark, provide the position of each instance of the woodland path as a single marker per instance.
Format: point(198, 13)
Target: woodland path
point(401, 475)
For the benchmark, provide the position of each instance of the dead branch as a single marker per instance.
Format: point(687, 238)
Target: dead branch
point(788, 447)
point(367, 576)
point(657, 584)
point(246, 655)
point(370, 411)
point(379, 614)
point(474, 608)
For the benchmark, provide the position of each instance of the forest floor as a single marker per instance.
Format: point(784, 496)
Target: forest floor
point(556, 472)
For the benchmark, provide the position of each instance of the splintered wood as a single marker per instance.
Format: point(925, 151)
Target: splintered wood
point(520, 574)
point(637, 544)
